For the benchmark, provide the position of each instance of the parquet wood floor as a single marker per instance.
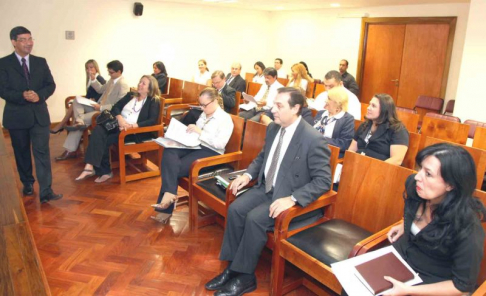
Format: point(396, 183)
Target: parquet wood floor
point(99, 239)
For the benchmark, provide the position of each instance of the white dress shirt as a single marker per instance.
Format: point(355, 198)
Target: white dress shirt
point(259, 79)
point(289, 133)
point(132, 109)
point(282, 73)
point(354, 106)
point(272, 94)
point(202, 78)
point(216, 130)
point(27, 62)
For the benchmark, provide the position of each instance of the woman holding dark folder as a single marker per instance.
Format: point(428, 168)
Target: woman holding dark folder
point(214, 127)
point(441, 236)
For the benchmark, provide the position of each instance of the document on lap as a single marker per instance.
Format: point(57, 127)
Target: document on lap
point(177, 132)
point(168, 143)
point(252, 102)
point(354, 283)
point(85, 101)
point(249, 98)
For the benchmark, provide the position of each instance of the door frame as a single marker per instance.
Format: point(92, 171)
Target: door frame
point(367, 21)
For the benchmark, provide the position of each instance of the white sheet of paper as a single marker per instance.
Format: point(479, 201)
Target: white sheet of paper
point(247, 106)
point(249, 98)
point(345, 272)
point(177, 131)
point(168, 143)
point(84, 101)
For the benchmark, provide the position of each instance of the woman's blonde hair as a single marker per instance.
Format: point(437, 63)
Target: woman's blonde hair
point(340, 96)
point(154, 90)
point(301, 74)
point(95, 64)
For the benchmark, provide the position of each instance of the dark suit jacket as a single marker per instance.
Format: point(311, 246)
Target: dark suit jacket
point(350, 83)
point(228, 93)
point(20, 113)
point(304, 172)
point(238, 83)
point(343, 131)
point(148, 115)
point(162, 81)
point(91, 93)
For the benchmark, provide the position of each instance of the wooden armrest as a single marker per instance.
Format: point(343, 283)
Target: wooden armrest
point(481, 291)
point(173, 101)
point(93, 120)
point(177, 107)
point(211, 161)
point(372, 242)
point(340, 160)
point(283, 220)
point(146, 129)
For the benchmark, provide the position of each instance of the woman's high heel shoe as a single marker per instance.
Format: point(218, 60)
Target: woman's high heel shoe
point(56, 132)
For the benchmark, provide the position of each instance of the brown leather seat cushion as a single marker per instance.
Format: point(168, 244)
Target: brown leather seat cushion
point(330, 241)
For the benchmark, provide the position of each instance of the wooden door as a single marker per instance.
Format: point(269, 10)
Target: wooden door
point(423, 62)
point(382, 61)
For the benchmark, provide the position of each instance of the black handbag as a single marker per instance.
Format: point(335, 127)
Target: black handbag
point(107, 121)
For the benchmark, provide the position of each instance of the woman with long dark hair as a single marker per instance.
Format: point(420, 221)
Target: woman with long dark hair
point(160, 73)
point(441, 236)
point(382, 135)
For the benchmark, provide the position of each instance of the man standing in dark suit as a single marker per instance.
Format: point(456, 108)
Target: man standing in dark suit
point(25, 84)
point(226, 92)
point(234, 78)
point(292, 169)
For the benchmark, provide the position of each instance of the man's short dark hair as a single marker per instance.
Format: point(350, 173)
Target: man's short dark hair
point(334, 74)
point(346, 61)
point(270, 71)
point(295, 97)
point(15, 32)
point(115, 65)
point(280, 60)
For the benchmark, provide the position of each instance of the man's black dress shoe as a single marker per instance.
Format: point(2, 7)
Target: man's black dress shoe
point(50, 196)
point(219, 281)
point(238, 286)
point(28, 189)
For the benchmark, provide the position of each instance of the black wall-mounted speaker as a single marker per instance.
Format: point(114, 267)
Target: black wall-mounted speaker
point(138, 9)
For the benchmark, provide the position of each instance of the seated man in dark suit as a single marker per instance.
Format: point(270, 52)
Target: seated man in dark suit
point(234, 78)
point(292, 169)
point(348, 79)
point(226, 92)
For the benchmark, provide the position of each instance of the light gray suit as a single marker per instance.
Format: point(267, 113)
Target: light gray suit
point(304, 173)
point(83, 113)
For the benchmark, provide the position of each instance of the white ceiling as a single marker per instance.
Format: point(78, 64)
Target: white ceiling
point(275, 5)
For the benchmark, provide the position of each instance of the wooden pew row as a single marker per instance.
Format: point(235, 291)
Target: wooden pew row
point(21, 271)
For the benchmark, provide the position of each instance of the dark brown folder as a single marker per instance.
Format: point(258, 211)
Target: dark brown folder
point(373, 272)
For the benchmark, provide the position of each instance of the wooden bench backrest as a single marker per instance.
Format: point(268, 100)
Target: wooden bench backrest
point(478, 155)
point(234, 143)
point(333, 161)
point(252, 143)
point(443, 129)
point(364, 109)
point(480, 138)
point(283, 81)
point(410, 120)
point(357, 123)
point(320, 88)
point(413, 148)
point(190, 92)
point(249, 77)
point(253, 88)
point(309, 92)
point(370, 192)
point(236, 108)
point(175, 88)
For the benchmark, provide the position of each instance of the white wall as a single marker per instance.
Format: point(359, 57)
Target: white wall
point(177, 34)
point(471, 98)
point(180, 34)
point(323, 37)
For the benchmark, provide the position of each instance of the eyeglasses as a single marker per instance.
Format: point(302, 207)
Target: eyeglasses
point(205, 105)
point(23, 40)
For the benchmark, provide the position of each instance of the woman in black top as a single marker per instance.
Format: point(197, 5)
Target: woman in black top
point(160, 73)
point(91, 66)
point(382, 135)
point(441, 237)
point(132, 111)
